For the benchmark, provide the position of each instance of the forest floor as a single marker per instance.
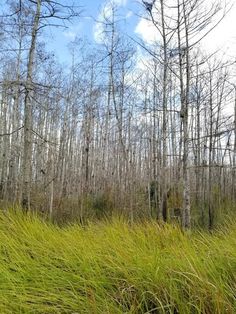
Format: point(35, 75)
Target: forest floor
point(111, 267)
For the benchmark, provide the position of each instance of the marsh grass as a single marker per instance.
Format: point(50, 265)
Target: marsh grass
point(111, 267)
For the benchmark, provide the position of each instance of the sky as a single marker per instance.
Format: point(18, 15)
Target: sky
point(87, 27)
point(223, 38)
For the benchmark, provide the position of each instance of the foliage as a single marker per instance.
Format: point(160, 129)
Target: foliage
point(112, 267)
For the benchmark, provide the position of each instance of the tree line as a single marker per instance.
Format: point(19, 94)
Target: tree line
point(145, 135)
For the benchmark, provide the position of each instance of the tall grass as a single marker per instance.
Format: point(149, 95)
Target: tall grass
point(114, 268)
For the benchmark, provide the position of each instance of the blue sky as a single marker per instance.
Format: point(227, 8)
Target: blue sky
point(57, 39)
point(223, 38)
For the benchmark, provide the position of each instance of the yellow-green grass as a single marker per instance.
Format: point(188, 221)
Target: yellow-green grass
point(112, 267)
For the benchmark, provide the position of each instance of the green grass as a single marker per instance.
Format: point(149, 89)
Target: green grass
point(114, 268)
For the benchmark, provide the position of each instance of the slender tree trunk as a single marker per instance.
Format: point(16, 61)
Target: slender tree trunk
point(27, 154)
point(186, 184)
point(165, 213)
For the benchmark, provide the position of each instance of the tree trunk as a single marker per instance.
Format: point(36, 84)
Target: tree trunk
point(27, 154)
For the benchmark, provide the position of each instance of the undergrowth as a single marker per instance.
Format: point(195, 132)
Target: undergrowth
point(112, 267)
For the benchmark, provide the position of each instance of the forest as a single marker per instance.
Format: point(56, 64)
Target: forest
point(118, 165)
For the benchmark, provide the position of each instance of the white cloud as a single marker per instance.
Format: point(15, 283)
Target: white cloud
point(97, 32)
point(129, 14)
point(70, 35)
point(146, 30)
point(105, 12)
point(221, 38)
point(73, 31)
point(143, 62)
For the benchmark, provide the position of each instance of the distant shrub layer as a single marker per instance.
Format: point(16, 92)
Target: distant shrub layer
point(114, 268)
